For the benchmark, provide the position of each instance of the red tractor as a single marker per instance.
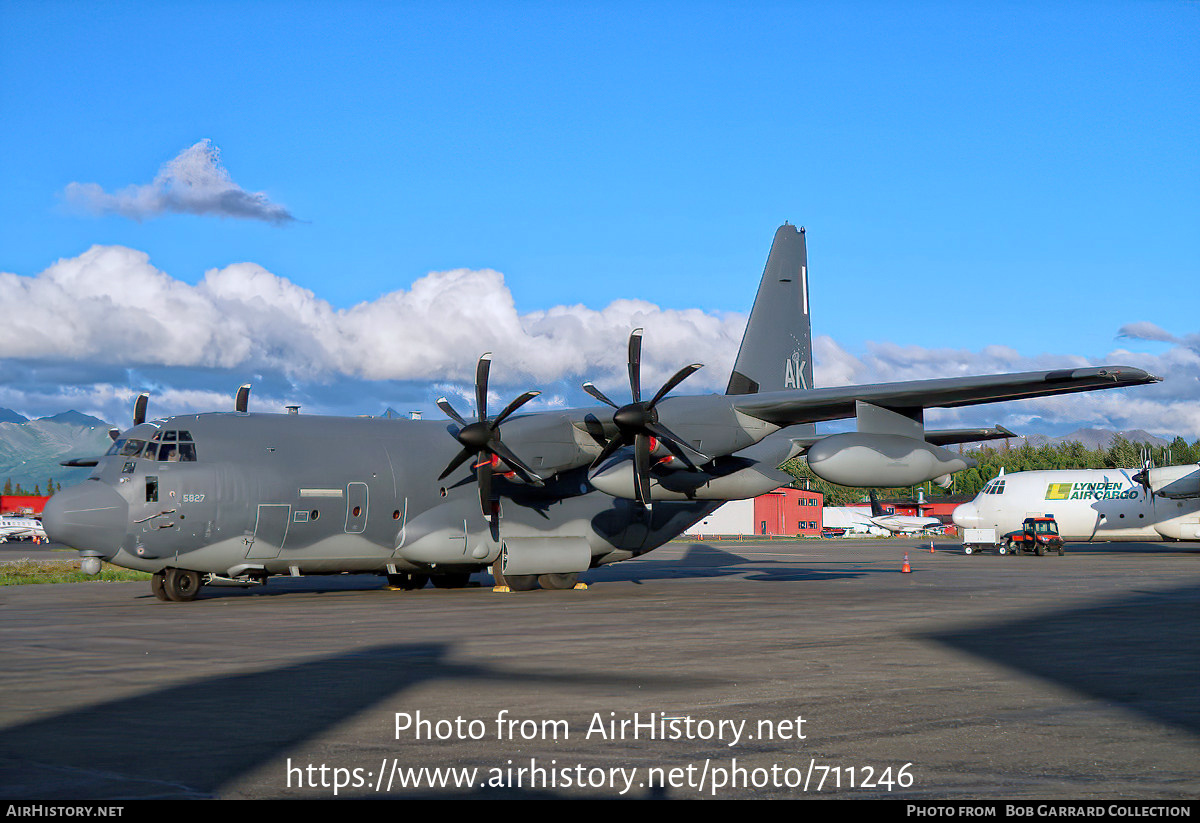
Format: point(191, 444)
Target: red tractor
point(1037, 534)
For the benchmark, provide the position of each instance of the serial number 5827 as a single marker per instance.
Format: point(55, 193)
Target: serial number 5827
point(193, 498)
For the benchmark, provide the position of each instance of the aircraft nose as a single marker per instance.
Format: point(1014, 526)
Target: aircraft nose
point(88, 516)
point(966, 516)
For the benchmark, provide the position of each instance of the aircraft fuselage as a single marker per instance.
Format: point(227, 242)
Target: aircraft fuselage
point(279, 494)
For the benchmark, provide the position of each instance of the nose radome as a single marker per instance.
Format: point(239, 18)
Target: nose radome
point(966, 516)
point(88, 516)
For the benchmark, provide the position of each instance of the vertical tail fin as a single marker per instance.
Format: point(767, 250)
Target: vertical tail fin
point(776, 351)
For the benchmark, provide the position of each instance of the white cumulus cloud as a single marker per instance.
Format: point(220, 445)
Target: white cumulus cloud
point(111, 305)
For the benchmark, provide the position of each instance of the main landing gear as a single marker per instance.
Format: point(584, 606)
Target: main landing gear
point(529, 582)
point(178, 585)
point(411, 581)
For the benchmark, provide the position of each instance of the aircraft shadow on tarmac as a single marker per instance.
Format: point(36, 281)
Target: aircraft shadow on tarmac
point(190, 740)
point(702, 561)
point(1141, 652)
point(699, 561)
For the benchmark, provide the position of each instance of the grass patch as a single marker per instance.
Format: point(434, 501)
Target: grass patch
point(25, 571)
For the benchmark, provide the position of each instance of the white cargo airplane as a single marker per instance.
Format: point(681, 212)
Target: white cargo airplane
point(17, 527)
point(1093, 504)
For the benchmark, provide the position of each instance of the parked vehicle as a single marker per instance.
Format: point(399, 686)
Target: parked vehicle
point(1037, 534)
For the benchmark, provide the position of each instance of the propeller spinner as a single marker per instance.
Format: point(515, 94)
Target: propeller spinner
point(638, 424)
point(482, 439)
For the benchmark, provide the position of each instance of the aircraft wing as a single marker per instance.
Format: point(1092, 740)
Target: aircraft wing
point(788, 408)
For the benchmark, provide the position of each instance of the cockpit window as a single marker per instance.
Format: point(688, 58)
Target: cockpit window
point(177, 453)
point(176, 448)
point(132, 448)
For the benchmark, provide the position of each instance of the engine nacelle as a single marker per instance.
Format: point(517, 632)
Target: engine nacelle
point(869, 460)
point(1173, 482)
point(1180, 528)
point(616, 479)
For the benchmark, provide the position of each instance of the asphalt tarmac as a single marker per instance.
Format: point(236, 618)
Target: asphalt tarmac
point(768, 669)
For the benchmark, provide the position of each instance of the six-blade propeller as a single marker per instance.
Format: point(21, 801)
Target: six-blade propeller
point(482, 439)
point(638, 424)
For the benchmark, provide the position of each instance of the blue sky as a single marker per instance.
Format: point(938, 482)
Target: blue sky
point(972, 176)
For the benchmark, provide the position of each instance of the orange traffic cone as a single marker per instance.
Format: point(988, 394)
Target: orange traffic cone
point(931, 549)
point(906, 569)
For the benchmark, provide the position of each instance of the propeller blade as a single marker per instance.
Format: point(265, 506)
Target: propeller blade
point(641, 468)
point(609, 450)
point(679, 377)
point(483, 475)
point(635, 365)
point(663, 433)
point(444, 405)
point(513, 406)
point(481, 384)
point(505, 453)
point(461, 458)
point(139, 408)
point(672, 444)
point(591, 389)
point(241, 400)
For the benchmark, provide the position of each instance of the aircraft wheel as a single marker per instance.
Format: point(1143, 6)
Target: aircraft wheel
point(181, 585)
point(558, 581)
point(457, 580)
point(158, 585)
point(521, 582)
point(968, 550)
point(408, 581)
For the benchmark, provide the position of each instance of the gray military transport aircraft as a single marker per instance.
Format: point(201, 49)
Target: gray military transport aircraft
point(235, 497)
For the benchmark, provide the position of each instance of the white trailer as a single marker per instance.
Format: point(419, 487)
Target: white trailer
point(975, 540)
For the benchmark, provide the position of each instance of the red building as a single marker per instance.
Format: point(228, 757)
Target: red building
point(22, 505)
point(788, 511)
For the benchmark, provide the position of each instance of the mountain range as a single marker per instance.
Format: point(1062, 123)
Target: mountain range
point(1092, 439)
point(30, 450)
